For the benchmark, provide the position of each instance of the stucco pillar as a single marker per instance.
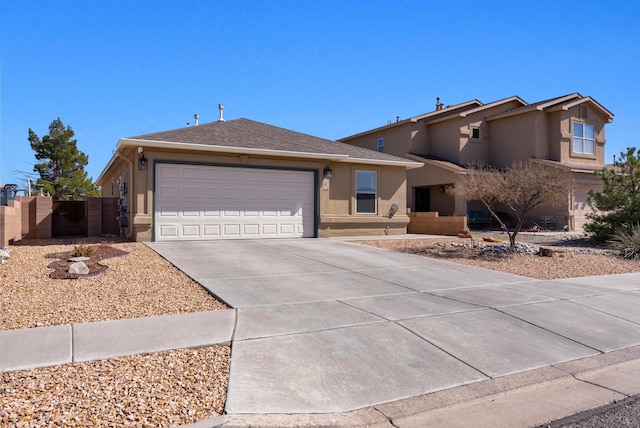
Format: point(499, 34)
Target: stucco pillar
point(460, 206)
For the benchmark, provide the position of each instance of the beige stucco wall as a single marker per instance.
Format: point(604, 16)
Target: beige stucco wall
point(568, 118)
point(512, 139)
point(444, 140)
point(336, 209)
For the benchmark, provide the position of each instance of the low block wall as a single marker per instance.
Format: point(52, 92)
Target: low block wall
point(10, 223)
point(430, 223)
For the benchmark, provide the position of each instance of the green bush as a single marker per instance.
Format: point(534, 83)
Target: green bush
point(627, 243)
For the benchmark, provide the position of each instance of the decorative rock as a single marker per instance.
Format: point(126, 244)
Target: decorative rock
point(548, 252)
point(79, 268)
point(4, 253)
point(464, 234)
point(78, 259)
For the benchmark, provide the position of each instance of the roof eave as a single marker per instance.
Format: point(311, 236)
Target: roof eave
point(133, 142)
point(106, 168)
point(127, 142)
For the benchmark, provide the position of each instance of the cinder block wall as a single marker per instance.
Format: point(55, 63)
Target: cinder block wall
point(10, 223)
point(430, 223)
point(26, 217)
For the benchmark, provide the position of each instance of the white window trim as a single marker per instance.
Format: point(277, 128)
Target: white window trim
point(375, 192)
point(582, 139)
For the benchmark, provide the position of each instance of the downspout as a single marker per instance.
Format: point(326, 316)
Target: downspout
point(129, 187)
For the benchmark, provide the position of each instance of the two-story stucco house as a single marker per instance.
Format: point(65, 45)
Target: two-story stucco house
point(565, 132)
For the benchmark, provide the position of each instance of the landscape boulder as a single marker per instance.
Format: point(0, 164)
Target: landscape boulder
point(79, 268)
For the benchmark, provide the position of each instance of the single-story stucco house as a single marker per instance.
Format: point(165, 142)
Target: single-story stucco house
point(241, 179)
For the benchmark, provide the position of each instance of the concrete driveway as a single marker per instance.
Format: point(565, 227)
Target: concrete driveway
point(330, 326)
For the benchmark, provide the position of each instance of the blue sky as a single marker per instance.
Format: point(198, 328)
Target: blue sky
point(114, 69)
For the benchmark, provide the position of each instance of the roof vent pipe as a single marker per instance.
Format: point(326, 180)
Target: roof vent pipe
point(221, 107)
point(439, 105)
point(196, 117)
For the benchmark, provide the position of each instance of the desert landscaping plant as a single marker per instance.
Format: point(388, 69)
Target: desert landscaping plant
point(627, 243)
point(617, 205)
point(83, 251)
point(521, 188)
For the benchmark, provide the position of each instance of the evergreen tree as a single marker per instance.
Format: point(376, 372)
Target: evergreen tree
point(618, 204)
point(61, 165)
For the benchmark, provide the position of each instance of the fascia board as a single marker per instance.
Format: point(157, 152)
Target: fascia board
point(493, 104)
point(593, 102)
point(128, 142)
point(407, 164)
point(556, 101)
point(106, 168)
point(438, 164)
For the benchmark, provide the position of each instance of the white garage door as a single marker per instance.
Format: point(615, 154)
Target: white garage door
point(198, 202)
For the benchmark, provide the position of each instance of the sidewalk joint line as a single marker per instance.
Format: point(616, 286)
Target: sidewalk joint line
point(444, 350)
point(546, 329)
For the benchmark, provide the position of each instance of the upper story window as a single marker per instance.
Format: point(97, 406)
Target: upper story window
point(366, 192)
point(475, 133)
point(381, 145)
point(584, 138)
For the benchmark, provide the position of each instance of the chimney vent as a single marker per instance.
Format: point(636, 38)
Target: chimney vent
point(221, 108)
point(439, 105)
point(196, 117)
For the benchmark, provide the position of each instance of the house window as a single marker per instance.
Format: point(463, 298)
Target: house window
point(475, 133)
point(584, 139)
point(366, 186)
point(381, 145)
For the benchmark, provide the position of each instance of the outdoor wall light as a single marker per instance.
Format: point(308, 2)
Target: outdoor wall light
point(327, 172)
point(142, 162)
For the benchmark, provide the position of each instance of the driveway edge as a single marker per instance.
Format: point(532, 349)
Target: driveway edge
point(524, 399)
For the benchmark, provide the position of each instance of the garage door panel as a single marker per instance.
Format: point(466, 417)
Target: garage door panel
point(168, 231)
point(191, 172)
point(167, 171)
point(190, 230)
point(211, 230)
point(207, 202)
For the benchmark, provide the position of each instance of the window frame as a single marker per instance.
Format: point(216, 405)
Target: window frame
point(380, 145)
point(366, 192)
point(474, 130)
point(582, 139)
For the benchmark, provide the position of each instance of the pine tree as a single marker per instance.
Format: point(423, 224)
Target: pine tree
point(61, 165)
point(618, 204)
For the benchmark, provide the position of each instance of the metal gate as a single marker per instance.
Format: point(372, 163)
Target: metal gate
point(68, 219)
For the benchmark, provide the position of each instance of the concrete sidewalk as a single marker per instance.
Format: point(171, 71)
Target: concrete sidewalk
point(50, 346)
point(333, 333)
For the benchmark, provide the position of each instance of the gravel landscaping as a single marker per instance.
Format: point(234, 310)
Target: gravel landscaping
point(184, 386)
point(573, 256)
point(152, 390)
point(137, 284)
